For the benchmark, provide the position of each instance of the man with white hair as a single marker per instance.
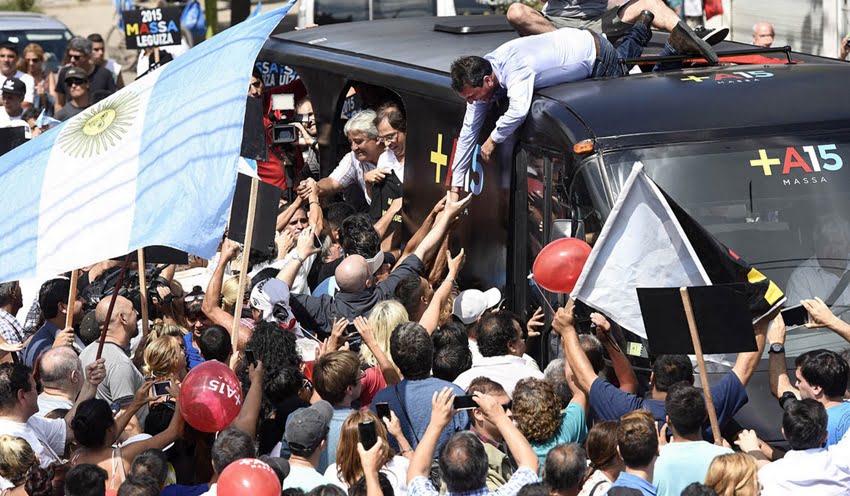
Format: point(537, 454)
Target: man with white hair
point(763, 34)
point(61, 374)
point(360, 165)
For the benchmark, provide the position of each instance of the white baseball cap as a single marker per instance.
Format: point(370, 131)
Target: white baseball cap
point(471, 304)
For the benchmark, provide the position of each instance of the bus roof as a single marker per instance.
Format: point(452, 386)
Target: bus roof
point(764, 97)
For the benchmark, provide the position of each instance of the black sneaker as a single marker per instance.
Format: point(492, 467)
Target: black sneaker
point(713, 36)
point(646, 17)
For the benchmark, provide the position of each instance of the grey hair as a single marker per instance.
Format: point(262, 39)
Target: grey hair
point(57, 364)
point(80, 44)
point(363, 122)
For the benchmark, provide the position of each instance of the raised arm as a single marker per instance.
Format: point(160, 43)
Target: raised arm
point(383, 224)
point(441, 414)
point(246, 421)
point(778, 374)
point(518, 445)
point(95, 374)
point(161, 440)
point(284, 217)
point(564, 326)
point(314, 211)
point(371, 462)
point(622, 368)
point(425, 251)
point(431, 317)
point(473, 120)
point(387, 370)
point(821, 316)
point(579, 396)
point(423, 230)
point(212, 297)
point(746, 363)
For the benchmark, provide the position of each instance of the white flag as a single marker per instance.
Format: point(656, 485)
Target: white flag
point(641, 245)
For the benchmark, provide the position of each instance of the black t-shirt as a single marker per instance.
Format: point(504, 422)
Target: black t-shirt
point(99, 80)
point(67, 112)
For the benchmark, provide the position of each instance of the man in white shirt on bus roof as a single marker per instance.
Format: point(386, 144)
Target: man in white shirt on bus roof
point(519, 67)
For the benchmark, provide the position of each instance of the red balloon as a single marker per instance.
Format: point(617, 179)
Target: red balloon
point(248, 476)
point(210, 396)
point(559, 264)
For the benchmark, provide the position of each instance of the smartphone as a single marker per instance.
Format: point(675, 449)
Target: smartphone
point(161, 388)
point(795, 316)
point(249, 356)
point(464, 403)
point(368, 434)
point(383, 410)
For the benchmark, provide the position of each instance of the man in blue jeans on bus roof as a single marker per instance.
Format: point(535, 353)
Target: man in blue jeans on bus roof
point(519, 67)
point(609, 403)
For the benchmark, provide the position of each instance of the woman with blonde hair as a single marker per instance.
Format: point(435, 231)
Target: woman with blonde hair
point(20, 467)
point(165, 359)
point(157, 330)
point(734, 474)
point(383, 320)
point(32, 62)
point(347, 470)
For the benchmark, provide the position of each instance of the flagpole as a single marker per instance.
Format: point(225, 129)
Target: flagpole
point(114, 297)
point(143, 291)
point(72, 299)
point(706, 387)
point(243, 270)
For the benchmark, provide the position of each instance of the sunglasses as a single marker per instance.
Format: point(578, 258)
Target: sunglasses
point(75, 81)
point(189, 298)
point(33, 61)
point(74, 57)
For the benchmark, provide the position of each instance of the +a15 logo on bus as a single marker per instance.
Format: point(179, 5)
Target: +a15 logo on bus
point(798, 162)
point(729, 77)
point(473, 182)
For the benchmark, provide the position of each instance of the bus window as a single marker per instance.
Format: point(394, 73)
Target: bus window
point(781, 203)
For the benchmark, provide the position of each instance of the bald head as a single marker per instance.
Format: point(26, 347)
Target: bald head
point(352, 274)
point(123, 319)
point(61, 368)
point(763, 34)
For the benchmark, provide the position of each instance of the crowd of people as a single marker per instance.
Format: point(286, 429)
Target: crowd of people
point(35, 98)
point(348, 329)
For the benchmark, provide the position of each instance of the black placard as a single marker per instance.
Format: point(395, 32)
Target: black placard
point(253, 133)
point(268, 199)
point(161, 255)
point(146, 28)
point(11, 137)
point(723, 319)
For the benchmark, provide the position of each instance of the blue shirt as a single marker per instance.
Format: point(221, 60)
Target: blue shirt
point(193, 356)
point(573, 429)
point(609, 403)
point(181, 490)
point(634, 482)
point(42, 341)
point(416, 395)
point(837, 422)
point(680, 464)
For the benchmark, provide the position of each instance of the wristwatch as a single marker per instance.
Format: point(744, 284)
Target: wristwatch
point(776, 348)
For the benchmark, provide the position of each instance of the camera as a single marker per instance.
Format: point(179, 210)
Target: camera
point(284, 133)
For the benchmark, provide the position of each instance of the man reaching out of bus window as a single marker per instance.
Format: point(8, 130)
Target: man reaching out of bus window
point(519, 67)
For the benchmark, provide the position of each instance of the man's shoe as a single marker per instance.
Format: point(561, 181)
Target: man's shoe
point(646, 17)
point(685, 41)
point(712, 36)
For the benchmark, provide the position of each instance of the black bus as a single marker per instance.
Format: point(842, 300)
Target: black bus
point(753, 149)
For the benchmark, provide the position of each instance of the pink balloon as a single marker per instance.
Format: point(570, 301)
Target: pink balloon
point(559, 264)
point(248, 477)
point(210, 397)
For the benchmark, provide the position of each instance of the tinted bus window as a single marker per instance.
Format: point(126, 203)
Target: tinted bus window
point(334, 11)
point(781, 203)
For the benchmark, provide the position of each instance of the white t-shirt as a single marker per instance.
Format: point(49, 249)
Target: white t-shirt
point(37, 431)
point(388, 160)
point(14, 121)
point(28, 81)
point(114, 67)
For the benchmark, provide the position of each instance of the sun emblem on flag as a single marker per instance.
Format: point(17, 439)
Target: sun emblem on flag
point(100, 127)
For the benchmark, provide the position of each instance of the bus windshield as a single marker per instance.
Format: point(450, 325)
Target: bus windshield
point(781, 203)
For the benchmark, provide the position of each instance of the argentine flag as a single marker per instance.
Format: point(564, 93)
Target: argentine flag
point(153, 164)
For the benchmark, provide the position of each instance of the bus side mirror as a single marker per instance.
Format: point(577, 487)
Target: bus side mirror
point(567, 228)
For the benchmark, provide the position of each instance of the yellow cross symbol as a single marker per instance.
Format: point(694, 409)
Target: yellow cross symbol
point(438, 158)
point(694, 78)
point(765, 162)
